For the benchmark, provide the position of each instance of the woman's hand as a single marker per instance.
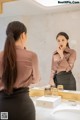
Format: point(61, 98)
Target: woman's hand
point(60, 51)
point(51, 82)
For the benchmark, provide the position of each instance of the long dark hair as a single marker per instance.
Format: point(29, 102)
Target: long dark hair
point(65, 35)
point(13, 32)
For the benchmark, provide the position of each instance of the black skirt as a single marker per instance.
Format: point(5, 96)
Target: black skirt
point(66, 79)
point(18, 105)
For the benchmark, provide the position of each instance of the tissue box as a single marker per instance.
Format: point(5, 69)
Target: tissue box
point(48, 102)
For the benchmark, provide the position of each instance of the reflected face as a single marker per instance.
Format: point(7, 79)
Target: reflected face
point(62, 41)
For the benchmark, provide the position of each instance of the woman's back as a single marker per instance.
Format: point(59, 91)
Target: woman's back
point(18, 69)
point(27, 69)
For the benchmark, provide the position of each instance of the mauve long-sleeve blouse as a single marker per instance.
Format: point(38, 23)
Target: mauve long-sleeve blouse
point(27, 67)
point(65, 64)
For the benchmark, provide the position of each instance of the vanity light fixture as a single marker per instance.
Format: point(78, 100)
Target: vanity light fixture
point(48, 3)
point(1, 4)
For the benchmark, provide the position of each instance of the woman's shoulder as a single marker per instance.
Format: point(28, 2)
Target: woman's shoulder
point(54, 54)
point(31, 53)
point(71, 50)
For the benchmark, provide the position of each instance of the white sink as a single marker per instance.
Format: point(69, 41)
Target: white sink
point(66, 112)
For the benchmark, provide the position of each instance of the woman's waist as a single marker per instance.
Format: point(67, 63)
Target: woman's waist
point(63, 72)
point(17, 86)
point(15, 91)
point(21, 89)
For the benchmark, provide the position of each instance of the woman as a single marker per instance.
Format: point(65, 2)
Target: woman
point(63, 60)
point(18, 69)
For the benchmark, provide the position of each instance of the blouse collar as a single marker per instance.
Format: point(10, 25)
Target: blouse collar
point(19, 47)
point(67, 49)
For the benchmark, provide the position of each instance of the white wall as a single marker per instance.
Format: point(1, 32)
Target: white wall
point(3, 24)
point(42, 31)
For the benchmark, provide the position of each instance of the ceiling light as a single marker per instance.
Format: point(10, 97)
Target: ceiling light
point(48, 3)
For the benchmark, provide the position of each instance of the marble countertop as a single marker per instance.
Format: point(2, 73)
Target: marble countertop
point(67, 110)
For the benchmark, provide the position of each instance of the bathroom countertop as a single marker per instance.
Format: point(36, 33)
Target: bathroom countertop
point(67, 110)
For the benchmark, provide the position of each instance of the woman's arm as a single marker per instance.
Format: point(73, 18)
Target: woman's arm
point(53, 70)
point(35, 69)
point(70, 62)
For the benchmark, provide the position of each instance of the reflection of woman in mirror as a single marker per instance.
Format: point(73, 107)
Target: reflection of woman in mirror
point(63, 60)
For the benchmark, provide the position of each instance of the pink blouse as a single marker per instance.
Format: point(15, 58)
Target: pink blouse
point(27, 67)
point(65, 64)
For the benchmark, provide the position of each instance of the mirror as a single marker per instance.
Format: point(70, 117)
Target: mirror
point(43, 24)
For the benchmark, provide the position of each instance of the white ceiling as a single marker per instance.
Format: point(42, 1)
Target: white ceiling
point(30, 7)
